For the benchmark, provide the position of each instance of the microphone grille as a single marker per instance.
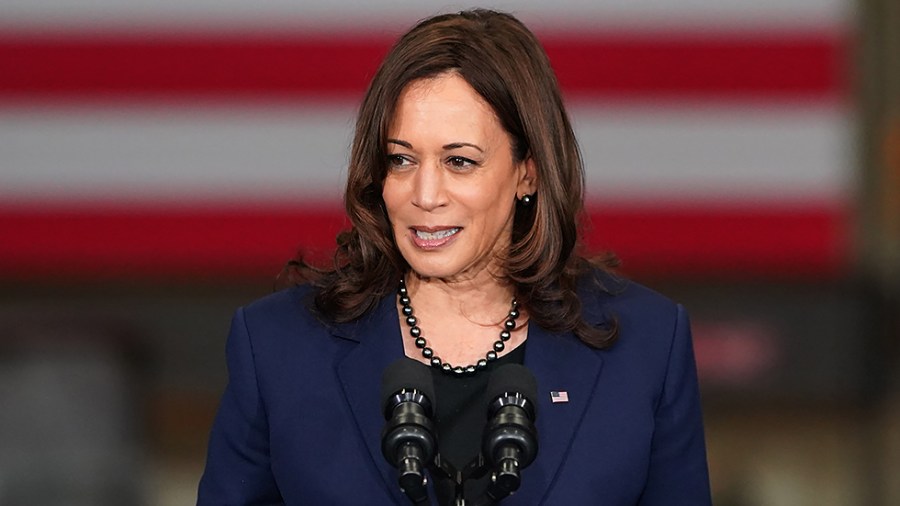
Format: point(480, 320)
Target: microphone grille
point(512, 378)
point(406, 373)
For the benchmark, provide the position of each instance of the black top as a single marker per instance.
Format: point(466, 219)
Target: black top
point(461, 415)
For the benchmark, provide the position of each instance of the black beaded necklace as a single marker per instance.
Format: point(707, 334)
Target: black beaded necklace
point(508, 326)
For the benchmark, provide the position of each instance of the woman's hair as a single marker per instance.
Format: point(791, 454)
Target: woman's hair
point(507, 66)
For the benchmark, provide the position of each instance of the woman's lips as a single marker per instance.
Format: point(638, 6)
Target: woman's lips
point(433, 237)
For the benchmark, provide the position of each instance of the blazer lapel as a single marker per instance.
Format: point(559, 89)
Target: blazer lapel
point(360, 374)
point(559, 363)
point(563, 364)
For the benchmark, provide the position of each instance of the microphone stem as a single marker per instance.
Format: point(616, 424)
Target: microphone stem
point(507, 476)
point(412, 476)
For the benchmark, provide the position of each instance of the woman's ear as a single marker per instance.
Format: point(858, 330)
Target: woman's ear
point(527, 178)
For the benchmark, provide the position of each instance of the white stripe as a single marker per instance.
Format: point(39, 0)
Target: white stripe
point(358, 14)
point(295, 152)
point(716, 152)
point(185, 153)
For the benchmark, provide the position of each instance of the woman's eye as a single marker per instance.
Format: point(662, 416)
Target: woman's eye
point(398, 161)
point(460, 162)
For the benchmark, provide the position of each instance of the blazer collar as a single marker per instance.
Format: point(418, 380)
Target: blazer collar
point(379, 344)
point(559, 362)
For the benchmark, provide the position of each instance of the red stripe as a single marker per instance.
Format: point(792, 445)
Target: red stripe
point(778, 239)
point(794, 65)
point(234, 243)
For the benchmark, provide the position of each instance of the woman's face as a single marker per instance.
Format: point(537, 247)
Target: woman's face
point(452, 181)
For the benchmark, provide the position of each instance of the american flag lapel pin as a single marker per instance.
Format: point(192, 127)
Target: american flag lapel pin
point(559, 396)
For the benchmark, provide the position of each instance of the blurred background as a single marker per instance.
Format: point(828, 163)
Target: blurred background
point(160, 161)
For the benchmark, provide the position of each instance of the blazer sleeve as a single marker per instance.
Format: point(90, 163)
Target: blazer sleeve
point(678, 473)
point(238, 470)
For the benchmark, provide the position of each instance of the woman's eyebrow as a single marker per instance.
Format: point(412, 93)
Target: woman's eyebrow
point(401, 143)
point(456, 145)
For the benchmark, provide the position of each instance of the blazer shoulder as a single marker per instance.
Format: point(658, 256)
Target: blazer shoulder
point(606, 296)
point(288, 308)
point(282, 299)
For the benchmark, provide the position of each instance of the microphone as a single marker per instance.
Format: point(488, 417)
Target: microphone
point(407, 441)
point(510, 440)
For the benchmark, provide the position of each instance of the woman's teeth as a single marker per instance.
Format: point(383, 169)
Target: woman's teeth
point(440, 234)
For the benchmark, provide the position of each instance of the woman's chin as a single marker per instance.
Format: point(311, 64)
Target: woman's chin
point(433, 271)
point(450, 271)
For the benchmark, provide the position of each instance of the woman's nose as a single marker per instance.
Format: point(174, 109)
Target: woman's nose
point(429, 191)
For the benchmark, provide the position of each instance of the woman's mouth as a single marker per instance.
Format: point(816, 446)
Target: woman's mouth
point(431, 238)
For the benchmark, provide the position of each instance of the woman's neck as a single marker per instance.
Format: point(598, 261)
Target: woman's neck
point(461, 320)
point(483, 300)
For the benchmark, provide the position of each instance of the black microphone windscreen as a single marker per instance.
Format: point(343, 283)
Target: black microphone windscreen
point(512, 378)
point(406, 373)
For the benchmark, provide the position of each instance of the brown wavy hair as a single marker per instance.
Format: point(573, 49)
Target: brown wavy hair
point(505, 64)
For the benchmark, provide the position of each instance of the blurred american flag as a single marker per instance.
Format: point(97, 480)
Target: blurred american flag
point(559, 396)
point(209, 138)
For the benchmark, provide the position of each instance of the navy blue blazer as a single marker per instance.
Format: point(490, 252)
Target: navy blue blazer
point(300, 421)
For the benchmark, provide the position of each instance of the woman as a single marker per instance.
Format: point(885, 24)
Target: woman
point(464, 189)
